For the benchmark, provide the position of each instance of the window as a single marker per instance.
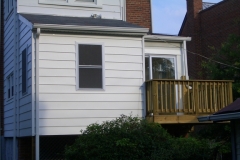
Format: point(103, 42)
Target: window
point(160, 67)
point(24, 71)
point(10, 86)
point(90, 66)
point(83, 3)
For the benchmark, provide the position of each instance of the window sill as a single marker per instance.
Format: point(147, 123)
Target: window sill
point(90, 89)
point(73, 4)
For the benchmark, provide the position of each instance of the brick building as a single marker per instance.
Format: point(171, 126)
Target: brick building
point(139, 12)
point(209, 25)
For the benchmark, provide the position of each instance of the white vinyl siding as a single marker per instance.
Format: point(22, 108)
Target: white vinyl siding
point(75, 109)
point(110, 9)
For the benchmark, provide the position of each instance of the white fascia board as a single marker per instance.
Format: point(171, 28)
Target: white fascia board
point(135, 31)
point(220, 117)
point(167, 38)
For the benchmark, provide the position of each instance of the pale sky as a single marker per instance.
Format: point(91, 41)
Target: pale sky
point(168, 15)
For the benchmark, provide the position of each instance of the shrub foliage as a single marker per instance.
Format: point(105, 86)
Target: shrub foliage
point(130, 138)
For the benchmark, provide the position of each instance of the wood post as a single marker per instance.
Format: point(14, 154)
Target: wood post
point(155, 97)
point(196, 96)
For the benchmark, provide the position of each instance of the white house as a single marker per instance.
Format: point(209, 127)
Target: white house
point(70, 63)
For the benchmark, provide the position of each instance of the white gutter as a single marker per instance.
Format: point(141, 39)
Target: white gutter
point(220, 117)
point(135, 31)
point(168, 38)
point(37, 142)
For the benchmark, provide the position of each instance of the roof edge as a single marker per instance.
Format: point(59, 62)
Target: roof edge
point(183, 24)
point(220, 117)
point(135, 31)
point(169, 38)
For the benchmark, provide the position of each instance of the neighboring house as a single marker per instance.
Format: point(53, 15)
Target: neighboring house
point(229, 113)
point(68, 64)
point(209, 25)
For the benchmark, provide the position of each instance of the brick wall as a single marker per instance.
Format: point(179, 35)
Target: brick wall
point(1, 70)
point(139, 12)
point(208, 28)
point(191, 28)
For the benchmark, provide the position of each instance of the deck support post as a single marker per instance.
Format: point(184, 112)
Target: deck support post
point(155, 97)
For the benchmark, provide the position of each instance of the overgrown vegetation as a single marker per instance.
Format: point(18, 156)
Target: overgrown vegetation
point(131, 138)
point(229, 67)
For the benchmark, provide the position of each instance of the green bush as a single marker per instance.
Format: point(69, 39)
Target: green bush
point(131, 138)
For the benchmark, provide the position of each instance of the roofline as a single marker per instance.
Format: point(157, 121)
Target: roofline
point(128, 30)
point(183, 24)
point(168, 38)
point(220, 117)
point(213, 6)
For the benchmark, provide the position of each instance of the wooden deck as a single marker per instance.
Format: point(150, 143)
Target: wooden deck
point(182, 101)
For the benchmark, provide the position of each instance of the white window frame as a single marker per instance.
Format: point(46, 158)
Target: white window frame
point(77, 67)
point(95, 4)
point(10, 84)
point(161, 56)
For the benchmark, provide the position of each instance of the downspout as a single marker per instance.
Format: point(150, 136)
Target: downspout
point(151, 3)
point(125, 10)
point(143, 71)
point(1, 54)
point(185, 59)
point(37, 94)
point(121, 13)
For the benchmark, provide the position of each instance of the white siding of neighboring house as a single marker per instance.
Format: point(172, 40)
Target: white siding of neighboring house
point(65, 110)
point(111, 9)
point(25, 100)
point(9, 22)
point(167, 49)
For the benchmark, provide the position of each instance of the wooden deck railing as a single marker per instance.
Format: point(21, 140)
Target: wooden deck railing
point(165, 97)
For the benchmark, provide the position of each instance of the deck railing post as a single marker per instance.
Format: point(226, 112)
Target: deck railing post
point(155, 97)
point(196, 96)
point(230, 93)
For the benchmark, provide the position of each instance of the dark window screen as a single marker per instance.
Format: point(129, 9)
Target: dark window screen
point(24, 71)
point(90, 54)
point(90, 66)
point(90, 77)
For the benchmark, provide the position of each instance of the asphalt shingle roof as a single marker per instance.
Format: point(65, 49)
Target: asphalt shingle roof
point(231, 108)
point(79, 21)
